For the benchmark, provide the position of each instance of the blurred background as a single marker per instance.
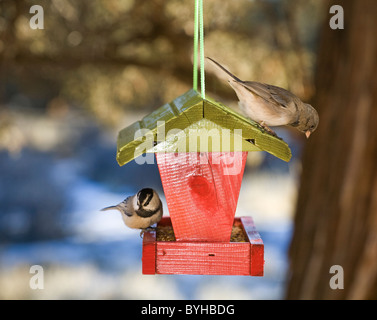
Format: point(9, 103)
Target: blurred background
point(100, 65)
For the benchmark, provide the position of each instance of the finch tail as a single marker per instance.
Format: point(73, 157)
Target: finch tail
point(225, 70)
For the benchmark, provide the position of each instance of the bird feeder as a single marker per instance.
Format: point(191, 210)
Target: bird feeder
point(201, 148)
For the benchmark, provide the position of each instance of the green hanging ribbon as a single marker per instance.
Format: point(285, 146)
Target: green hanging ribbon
point(199, 39)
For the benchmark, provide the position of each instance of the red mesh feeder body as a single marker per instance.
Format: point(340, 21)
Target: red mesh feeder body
point(201, 191)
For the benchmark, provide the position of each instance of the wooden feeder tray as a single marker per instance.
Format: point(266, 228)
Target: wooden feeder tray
point(242, 255)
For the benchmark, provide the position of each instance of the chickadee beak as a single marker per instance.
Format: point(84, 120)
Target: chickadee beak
point(110, 208)
point(308, 133)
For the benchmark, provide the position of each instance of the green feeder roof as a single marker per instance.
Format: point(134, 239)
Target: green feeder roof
point(193, 124)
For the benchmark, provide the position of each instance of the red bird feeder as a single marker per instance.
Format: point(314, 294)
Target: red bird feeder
point(201, 148)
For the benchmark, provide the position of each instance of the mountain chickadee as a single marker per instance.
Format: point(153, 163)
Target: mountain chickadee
point(141, 210)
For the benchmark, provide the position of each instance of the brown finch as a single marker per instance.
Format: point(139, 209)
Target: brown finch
point(272, 106)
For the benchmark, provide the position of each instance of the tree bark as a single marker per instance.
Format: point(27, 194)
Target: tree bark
point(336, 217)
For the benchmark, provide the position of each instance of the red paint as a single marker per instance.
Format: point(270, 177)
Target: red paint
point(201, 191)
point(211, 258)
point(149, 252)
point(256, 247)
point(199, 186)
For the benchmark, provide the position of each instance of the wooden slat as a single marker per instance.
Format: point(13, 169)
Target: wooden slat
point(251, 131)
point(250, 230)
point(149, 253)
point(203, 258)
point(257, 260)
point(256, 247)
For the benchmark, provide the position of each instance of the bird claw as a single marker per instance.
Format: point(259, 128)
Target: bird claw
point(269, 130)
point(147, 229)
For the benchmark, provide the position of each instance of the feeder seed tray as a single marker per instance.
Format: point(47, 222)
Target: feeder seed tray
point(166, 233)
point(243, 255)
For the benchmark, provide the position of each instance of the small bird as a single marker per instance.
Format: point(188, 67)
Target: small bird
point(141, 210)
point(272, 106)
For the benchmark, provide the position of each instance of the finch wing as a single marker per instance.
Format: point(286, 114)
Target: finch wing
point(270, 93)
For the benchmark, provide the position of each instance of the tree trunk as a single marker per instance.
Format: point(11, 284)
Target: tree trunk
point(336, 218)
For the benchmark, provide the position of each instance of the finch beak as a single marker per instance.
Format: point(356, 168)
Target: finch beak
point(308, 133)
